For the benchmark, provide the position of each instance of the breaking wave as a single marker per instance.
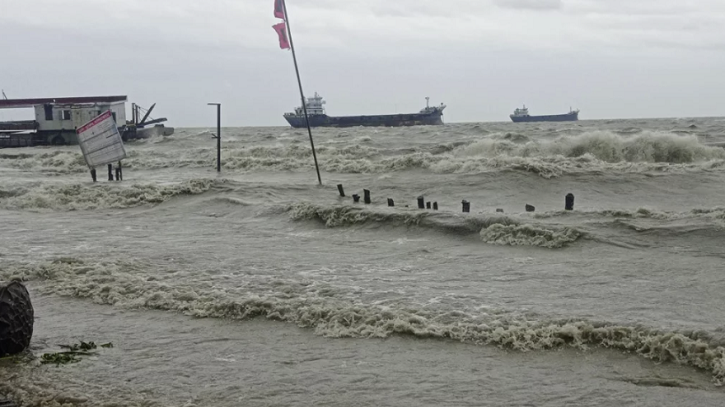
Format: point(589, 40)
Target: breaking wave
point(95, 196)
point(315, 306)
point(527, 235)
point(645, 151)
point(500, 230)
point(652, 147)
point(58, 160)
point(717, 213)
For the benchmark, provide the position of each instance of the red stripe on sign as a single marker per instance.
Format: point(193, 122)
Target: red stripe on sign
point(95, 121)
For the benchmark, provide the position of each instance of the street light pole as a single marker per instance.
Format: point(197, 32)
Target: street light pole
point(218, 135)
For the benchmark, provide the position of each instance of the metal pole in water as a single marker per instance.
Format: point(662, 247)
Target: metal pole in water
point(219, 138)
point(302, 95)
point(218, 135)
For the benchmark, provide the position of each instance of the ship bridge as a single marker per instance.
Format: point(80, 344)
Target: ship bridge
point(314, 106)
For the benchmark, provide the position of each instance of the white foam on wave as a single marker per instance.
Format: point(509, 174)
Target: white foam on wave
point(591, 151)
point(329, 313)
point(495, 229)
point(716, 213)
point(84, 196)
point(606, 146)
point(529, 235)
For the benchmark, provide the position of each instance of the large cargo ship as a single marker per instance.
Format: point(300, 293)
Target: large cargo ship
point(522, 116)
point(318, 118)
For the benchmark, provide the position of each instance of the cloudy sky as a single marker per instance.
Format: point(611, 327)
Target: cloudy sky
point(483, 58)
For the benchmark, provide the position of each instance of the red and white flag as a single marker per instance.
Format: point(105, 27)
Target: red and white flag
point(281, 29)
point(279, 9)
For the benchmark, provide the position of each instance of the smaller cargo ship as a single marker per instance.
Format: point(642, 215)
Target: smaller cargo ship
point(522, 116)
point(429, 116)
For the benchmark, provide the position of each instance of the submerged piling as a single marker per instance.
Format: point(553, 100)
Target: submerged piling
point(466, 206)
point(569, 202)
point(391, 202)
point(421, 202)
point(435, 206)
point(427, 205)
point(356, 198)
point(341, 190)
point(367, 196)
point(530, 208)
point(110, 172)
point(93, 174)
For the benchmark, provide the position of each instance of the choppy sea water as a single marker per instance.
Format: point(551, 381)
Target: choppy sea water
point(256, 287)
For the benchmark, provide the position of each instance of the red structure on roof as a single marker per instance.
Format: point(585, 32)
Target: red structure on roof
point(18, 103)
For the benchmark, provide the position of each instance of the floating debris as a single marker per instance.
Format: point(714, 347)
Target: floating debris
point(72, 354)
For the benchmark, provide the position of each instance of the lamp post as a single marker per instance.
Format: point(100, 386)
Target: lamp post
point(218, 135)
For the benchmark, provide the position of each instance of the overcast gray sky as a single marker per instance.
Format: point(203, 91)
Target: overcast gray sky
point(483, 58)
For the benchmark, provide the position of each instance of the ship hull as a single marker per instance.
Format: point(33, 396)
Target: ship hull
point(391, 120)
point(569, 117)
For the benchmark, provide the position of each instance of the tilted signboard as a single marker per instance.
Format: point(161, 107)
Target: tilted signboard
point(101, 141)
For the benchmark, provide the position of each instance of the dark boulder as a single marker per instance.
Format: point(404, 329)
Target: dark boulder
point(16, 319)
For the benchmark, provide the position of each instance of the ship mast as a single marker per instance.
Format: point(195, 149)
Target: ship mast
point(427, 104)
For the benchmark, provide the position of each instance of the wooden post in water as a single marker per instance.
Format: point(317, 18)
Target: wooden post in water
point(569, 202)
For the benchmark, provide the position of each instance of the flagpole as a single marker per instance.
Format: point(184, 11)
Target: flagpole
point(302, 95)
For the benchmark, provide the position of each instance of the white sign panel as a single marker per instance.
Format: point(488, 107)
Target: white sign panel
point(100, 141)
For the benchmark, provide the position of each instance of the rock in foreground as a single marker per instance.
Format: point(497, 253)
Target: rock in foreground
point(16, 319)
